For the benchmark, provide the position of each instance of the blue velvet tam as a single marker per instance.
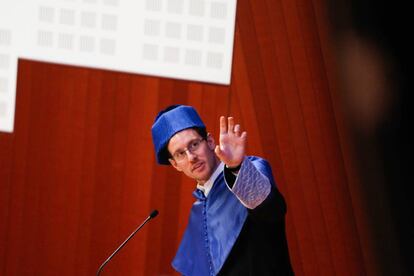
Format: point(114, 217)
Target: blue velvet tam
point(168, 122)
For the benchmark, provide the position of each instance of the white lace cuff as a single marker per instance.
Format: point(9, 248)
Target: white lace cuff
point(251, 186)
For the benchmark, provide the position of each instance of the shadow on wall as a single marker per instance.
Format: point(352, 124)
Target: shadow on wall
point(372, 53)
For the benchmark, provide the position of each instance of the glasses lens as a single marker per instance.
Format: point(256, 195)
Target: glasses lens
point(194, 145)
point(178, 156)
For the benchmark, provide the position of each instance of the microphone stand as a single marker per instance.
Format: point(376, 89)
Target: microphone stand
point(153, 214)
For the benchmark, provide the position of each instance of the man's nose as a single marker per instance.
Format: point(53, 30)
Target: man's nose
point(191, 155)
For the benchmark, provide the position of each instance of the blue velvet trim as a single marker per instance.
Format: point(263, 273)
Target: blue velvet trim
point(215, 223)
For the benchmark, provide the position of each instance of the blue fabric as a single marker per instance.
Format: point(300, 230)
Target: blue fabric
point(167, 123)
point(214, 225)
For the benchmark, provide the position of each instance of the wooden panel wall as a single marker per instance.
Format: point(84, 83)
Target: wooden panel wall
point(78, 174)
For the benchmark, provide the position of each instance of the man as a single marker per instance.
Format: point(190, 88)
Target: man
point(237, 223)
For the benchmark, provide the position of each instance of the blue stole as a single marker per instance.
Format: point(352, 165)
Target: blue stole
point(215, 223)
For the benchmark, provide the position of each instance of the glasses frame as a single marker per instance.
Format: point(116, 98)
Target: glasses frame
point(190, 148)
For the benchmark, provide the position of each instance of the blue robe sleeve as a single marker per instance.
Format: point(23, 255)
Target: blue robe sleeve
point(252, 184)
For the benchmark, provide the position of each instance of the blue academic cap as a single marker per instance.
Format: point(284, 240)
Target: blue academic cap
point(168, 122)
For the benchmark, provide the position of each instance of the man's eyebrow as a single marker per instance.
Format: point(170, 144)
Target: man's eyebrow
point(181, 149)
point(189, 142)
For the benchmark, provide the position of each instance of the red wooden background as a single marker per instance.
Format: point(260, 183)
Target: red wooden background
point(78, 174)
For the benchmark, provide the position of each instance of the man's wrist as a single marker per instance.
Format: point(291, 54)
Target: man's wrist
point(234, 169)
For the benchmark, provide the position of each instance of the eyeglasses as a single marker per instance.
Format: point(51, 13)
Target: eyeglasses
point(192, 147)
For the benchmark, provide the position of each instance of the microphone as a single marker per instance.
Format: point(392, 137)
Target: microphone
point(152, 215)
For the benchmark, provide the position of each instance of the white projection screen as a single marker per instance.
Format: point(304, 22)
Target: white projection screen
point(181, 39)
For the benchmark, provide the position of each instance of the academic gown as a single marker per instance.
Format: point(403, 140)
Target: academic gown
point(239, 228)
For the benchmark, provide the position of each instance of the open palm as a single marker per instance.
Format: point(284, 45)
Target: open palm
point(232, 143)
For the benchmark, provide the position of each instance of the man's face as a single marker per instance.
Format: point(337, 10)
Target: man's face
point(198, 164)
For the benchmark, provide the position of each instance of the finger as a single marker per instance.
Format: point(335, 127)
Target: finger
point(223, 126)
point(237, 130)
point(231, 124)
point(244, 135)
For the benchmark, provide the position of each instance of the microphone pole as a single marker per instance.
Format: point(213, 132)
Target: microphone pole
point(152, 215)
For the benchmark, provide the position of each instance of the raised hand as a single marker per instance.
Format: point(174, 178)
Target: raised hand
point(232, 143)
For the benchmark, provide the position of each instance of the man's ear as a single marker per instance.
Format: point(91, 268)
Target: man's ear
point(210, 142)
point(174, 164)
